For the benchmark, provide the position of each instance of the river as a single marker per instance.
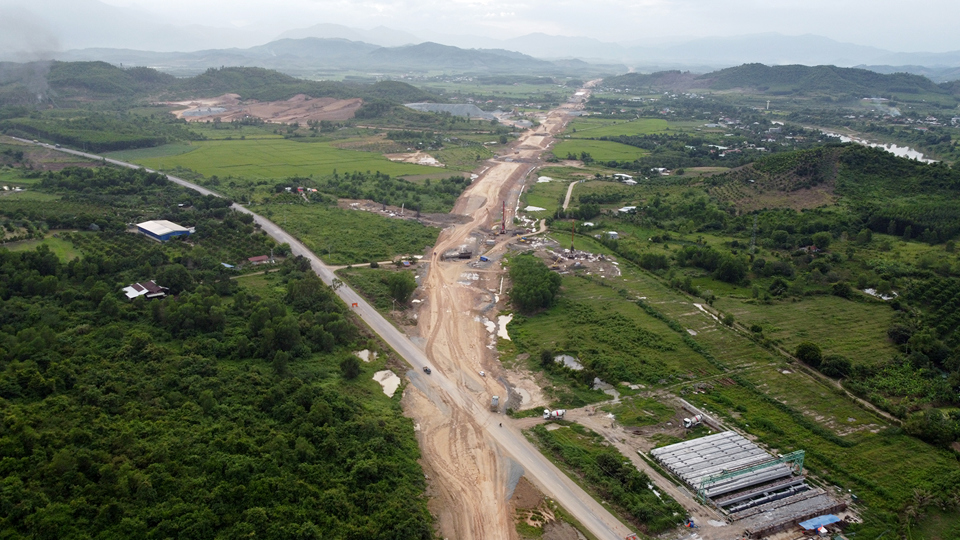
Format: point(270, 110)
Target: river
point(902, 151)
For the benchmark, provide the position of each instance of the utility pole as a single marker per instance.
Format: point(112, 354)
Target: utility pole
point(753, 236)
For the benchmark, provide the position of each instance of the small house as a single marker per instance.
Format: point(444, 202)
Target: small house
point(146, 288)
point(259, 259)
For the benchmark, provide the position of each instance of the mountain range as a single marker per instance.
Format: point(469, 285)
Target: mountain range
point(312, 56)
point(93, 30)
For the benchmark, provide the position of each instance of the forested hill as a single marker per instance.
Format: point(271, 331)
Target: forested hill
point(794, 79)
point(26, 84)
point(890, 194)
point(233, 408)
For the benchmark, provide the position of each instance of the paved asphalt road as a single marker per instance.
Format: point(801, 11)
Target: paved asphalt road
point(594, 517)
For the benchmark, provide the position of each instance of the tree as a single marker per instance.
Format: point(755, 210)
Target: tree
point(835, 366)
point(350, 367)
point(176, 278)
point(842, 289)
point(534, 285)
point(822, 240)
point(731, 269)
point(281, 361)
point(809, 353)
point(402, 285)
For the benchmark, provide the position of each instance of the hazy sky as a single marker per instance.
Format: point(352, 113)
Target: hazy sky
point(51, 25)
point(927, 25)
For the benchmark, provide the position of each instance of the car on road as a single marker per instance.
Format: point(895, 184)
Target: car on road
point(426, 370)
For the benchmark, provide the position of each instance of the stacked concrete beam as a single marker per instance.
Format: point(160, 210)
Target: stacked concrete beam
point(698, 459)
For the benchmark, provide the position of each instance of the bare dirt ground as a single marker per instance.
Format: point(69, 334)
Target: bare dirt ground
point(299, 108)
point(470, 479)
point(396, 212)
point(418, 158)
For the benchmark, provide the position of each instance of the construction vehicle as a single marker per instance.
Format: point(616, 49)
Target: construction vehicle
point(495, 404)
point(693, 422)
point(556, 414)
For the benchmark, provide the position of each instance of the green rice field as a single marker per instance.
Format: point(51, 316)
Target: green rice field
point(599, 150)
point(593, 128)
point(278, 158)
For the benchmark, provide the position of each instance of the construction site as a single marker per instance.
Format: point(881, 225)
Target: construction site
point(758, 493)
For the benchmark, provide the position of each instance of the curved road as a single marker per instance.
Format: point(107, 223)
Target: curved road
point(445, 391)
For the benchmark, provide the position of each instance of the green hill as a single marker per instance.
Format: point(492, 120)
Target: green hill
point(887, 192)
point(784, 80)
point(804, 79)
point(22, 84)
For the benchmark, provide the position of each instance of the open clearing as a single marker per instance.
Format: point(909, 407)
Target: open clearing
point(299, 108)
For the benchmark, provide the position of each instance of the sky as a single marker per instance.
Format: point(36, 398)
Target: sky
point(919, 25)
point(894, 25)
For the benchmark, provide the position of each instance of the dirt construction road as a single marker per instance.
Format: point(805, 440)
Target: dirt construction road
point(471, 472)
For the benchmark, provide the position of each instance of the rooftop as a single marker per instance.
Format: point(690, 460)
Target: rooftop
point(161, 227)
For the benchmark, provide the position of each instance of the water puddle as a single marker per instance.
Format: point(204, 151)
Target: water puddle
point(388, 380)
point(366, 355)
point(569, 361)
point(502, 322)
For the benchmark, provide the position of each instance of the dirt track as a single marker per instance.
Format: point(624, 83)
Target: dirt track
point(470, 477)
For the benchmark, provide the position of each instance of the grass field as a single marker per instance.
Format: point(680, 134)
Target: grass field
point(371, 284)
point(166, 150)
point(640, 411)
point(341, 236)
point(546, 195)
point(825, 320)
point(462, 159)
point(278, 158)
point(265, 285)
point(846, 444)
point(63, 249)
point(611, 336)
point(593, 128)
point(522, 90)
point(599, 150)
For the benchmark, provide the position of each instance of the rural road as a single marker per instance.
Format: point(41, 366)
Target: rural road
point(566, 200)
point(450, 391)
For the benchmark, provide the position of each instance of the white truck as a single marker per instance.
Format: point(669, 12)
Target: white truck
point(693, 422)
point(556, 414)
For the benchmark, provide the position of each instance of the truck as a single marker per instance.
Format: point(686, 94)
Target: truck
point(693, 422)
point(495, 404)
point(556, 414)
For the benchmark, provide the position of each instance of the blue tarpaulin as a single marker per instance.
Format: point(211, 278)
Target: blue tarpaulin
point(819, 521)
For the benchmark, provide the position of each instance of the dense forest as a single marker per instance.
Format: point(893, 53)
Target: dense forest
point(217, 412)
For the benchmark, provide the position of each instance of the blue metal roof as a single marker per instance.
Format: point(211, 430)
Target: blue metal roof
point(819, 521)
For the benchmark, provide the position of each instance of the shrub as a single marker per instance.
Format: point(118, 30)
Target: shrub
point(809, 353)
point(835, 366)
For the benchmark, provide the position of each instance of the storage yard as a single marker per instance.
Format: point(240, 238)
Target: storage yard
point(758, 493)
